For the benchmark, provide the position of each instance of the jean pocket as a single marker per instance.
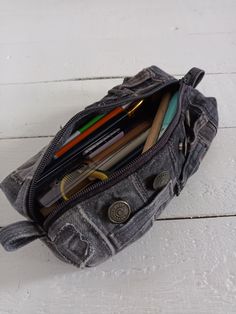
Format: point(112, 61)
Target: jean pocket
point(72, 246)
point(193, 161)
point(141, 221)
point(139, 80)
point(16, 184)
point(27, 169)
point(198, 134)
point(139, 84)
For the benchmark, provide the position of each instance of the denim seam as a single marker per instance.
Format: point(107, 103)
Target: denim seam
point(173, 160)
point(97, 230)
point(144, 227)
point(17, 178)
point(203, 140)
point(22, 193)
point(116, 235)
point(62, 255)
point(77, 233)
point(194, 157)
point(207, 112)
point(139, 187)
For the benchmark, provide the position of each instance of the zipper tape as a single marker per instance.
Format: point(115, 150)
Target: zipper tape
point(119, 174)
point(50, 150)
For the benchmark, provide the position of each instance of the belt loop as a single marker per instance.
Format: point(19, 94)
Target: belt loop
point(193, 77)
point(19, 234)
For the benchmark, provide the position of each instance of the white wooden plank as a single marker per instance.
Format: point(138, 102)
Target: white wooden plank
point(179, 267)
point(46, 21)
point(222, 87)
point(57, 41)
point(211, 191)
point(25, 62)
point(40, 109)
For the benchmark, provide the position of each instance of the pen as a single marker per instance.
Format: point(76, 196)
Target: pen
point(125, 151)
point(96, 145)
point(98, 124)
point(84, 128)
point(74, 179)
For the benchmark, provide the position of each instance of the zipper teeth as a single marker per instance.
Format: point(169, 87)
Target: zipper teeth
point(60, 210)
point(64, 206)
point(52, 146)
point(47, 155)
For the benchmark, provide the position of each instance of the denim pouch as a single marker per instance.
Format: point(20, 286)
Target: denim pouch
point(104, 218)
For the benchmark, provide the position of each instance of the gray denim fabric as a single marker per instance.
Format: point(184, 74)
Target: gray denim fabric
point(83, 235)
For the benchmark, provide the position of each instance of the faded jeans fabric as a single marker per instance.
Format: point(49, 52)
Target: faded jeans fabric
point(83, 235)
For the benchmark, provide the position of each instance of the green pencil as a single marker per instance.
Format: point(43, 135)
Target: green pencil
point(84, 127)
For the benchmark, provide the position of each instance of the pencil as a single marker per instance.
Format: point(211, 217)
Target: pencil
point(157, 122)
point(76, 177)
point(115, 112)
point(84, 128)
point(87, 132)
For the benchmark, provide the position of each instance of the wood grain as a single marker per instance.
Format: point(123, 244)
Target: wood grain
point(40, 109)
point(183, 265)
point(41, 41)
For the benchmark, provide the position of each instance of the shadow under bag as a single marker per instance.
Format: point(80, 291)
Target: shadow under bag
point(106, 176)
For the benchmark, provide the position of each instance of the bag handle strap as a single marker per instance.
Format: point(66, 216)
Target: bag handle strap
point(193, 77)
point(19, 234)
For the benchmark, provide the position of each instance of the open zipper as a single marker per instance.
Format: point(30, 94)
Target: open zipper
point(114, 178)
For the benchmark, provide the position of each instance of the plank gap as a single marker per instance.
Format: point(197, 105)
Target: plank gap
point(51, 136)
point(197, 217)
point(94, 78)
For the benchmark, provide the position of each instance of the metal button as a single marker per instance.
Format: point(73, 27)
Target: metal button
point(183, 146)
point(161, 180)
point(119, 212)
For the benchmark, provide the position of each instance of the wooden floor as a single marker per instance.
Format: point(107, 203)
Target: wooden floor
point(57, 57)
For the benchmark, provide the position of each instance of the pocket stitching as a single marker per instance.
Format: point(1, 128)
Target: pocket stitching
point(81, 262)
point(194, 157)
point(117, 233)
